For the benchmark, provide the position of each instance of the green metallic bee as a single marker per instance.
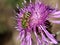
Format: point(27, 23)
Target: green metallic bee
point(25, 19)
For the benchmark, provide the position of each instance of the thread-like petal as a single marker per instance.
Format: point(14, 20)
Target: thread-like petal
point(49, 35)
point(55, 21)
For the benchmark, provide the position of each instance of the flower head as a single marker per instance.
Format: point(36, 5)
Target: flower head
point(35, 15)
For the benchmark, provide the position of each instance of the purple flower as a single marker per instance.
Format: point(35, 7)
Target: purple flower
point(34, 15)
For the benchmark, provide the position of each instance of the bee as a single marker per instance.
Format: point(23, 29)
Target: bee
point(25, 19)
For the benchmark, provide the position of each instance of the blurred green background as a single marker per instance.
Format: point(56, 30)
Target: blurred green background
point(8, 33)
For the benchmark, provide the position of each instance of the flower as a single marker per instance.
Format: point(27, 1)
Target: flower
point(35, 15)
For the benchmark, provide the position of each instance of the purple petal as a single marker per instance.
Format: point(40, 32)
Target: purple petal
point(44, 38)
point(23, 42)
point(55, 16)
point(22, 35)
point(28, 39)
point(55, 21)
point(49, 35)
point(37, 38)
point(56, 12)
